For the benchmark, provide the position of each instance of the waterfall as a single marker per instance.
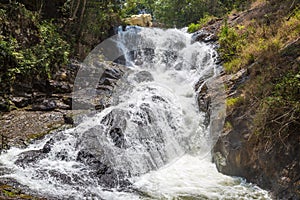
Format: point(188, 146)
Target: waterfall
point(151, 142)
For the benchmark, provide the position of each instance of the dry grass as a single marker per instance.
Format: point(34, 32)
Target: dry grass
point(260, 39)
point(271, 98)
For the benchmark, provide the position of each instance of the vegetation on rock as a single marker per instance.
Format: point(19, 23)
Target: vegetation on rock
point(263, 44)
point(270, 51)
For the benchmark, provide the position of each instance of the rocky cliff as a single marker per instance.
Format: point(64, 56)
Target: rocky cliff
point(260, 140)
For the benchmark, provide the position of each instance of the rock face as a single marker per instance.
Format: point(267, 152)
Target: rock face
point(272, 164)
point(144, 20)
point(204, 36)
point(208, 33)
point(84, 98)
point(41, 95)
point(274, 167)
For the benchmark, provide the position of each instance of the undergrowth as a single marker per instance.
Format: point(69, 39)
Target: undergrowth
point(242, 45)
point(201, 23)
point(270, 52)
point(29, 48)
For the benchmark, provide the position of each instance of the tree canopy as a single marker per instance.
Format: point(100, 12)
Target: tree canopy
point(181, 13)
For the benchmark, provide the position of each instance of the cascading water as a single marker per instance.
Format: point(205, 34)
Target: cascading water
point(151, 143)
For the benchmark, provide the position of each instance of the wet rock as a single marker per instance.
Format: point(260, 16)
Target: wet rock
point(110, 76)
point(47, 147)
point(88, 97)
point(121, 60)
point(204, 36)
point(112, 178)
point(68, 119)
point(89, 159)
point(156, 99)
point(29, 158)
point(117, 137)
point(204, 102)
point(118, 124)
point(61, 177)
point(107, 176)
point(143, 76)
point(204, 99)
point(113, 73)
point(21, 102)
point(59, 87)
point(45, 105)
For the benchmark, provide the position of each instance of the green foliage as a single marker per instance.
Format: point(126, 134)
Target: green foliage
point(227, 126)
point(193, 27)
point(272, 90)
point(133, 7)
point(179, 13)
point(230, 102)
point(89, 22)
point(239, 5)
point(233, 65)
point(229, 42)
point(44, 52)
point(288, 87)
point(207, 18)
point(202, 22)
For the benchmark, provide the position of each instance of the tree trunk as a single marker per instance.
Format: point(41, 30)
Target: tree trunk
point(76, 10)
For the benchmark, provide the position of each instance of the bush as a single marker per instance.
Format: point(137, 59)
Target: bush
point(29, 49)
point(193, 27)
point(230, 43)
point(202, 22)
point(230, 102)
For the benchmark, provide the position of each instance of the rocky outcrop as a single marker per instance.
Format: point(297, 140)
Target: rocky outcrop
point(209, 33)
point(36, 109)
point(273, 164)
point(144, 20)
point(42, 95)
point(204, 36)
point(95, 93)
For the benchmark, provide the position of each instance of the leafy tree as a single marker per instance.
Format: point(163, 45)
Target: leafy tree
point(29, 48)
point(133, 7)
point(179, 13)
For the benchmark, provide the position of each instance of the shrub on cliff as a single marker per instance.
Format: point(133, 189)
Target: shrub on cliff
point(274, 83)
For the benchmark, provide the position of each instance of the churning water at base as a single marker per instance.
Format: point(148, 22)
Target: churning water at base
point(151, 143)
